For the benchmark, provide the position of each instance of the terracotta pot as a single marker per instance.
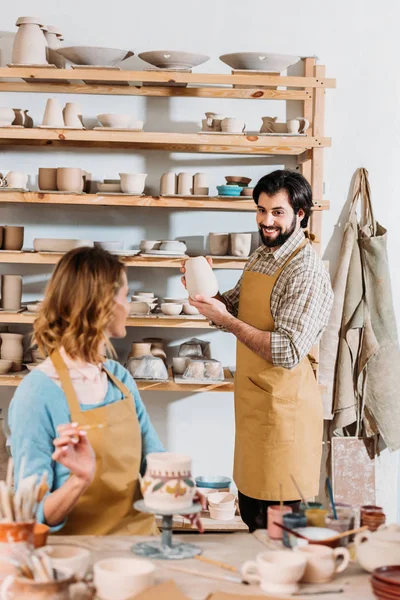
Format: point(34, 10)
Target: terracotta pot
point(29, 46)
point(168, 184)
point(200, 278)
point(72, 114)
point(7, 116)
point(133, 183)
point(70, 180)
point(139, 349)
point(53, 114)
point(13, 237)
point(18, 534)
point(219, 244)
point(17, 179)
point(201, 184)
point(185, 184)
point(47, 179)
point(11, 292)
point(19, 588)
point(240, 244)
point(12, 349)
point(168, 481)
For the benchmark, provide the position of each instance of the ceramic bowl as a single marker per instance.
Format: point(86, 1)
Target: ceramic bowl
point(222, 499)
point(229, 190)
point(149, 245)
point(188, 309)
point(145, 294)
point(176, 300)
point(5, 366)
point(221, 514)
point(172, 59)
point(133, 183)
point(40, 534)
point(237, 180)
point(119, 121)
point(94, 55)
point(259, 61)
point(139, 308)
point(149, 299)
point(109, 187)
point(59, 245)
point(247, 191)
point(317, 535)
point(169, 308)
point(35, 307)
point(109, 246)
point(173, 246)
point(213, 482)
point(63, 556)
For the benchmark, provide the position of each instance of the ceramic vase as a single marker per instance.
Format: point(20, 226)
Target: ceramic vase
point(47, 179)
point(7, 116)
point(17, 180)
point(13, 237)
point(12, 349)
point(53, 114)
point(200, 278)
point(185, 184)
point(11, 292)
point(29, 46)
point(200, 184)
point(240, 244)
point(28, 121)
point(168, 184)
point(19, 117)
point(72, 115)
point(231, 125)
point(219, 244)
point(133, 183)
point(168, 482)
point(69, 180)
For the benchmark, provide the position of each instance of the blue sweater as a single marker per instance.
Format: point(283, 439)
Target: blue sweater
point(39, 405)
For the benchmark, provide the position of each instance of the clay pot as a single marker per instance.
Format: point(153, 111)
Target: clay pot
point(47, 179)
point(200, 184)
point(168, 184)
point(139, 349)
point(213, 121)
point(200, 278)
point(17, 180)
point(72, 114)
point(29, 46)
point(18, 534)
point(20, 588)
point(179, 364)
point(219, 244)
point(231, 125)
point(19, 117)
point(240, 244)
point(133, 183)
point(185, 184)
point(11, 292)
point(168, 482)
point(7, 116)
point(53, 114)
point(13, 237)
point(69, 180)
point(12, 349)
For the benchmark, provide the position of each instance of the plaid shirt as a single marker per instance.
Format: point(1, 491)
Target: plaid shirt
point(301, 299)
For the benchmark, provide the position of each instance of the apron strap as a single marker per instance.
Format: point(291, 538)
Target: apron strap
point(117, 382)
point(279, 271)
point(66, 382)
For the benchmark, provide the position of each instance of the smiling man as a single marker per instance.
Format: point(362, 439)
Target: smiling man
point(278, 310)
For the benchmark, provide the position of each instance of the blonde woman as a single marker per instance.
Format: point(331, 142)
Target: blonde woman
point(79, 416)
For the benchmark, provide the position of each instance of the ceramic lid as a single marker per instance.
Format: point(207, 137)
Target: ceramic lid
point(388, 533)
point(29, 21)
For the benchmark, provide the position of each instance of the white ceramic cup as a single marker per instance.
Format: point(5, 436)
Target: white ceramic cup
point(133, 183)
point(16, 179)
point(232, 125)
point(122, 578)
point(277, 571)
point(323, 563)
point(74, 558)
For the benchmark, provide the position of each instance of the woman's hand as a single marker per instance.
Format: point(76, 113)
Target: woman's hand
point(74, 451)
point(195, 519)
point(183, 270)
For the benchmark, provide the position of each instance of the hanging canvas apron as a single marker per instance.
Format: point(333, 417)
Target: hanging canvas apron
point(113, 430)
point(278, 412)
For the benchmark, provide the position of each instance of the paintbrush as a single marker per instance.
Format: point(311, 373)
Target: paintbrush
point(292, 532)
point(300, 492)
point(330, 492)
point(217, 563)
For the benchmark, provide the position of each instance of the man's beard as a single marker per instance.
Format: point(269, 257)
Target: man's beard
point(281, 238)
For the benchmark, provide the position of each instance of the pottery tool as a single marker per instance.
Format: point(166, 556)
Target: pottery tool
point(340, 591)
point(226, 578)
point(330, 492)
point(292, 532)
point(217, 563)
point(300, 492)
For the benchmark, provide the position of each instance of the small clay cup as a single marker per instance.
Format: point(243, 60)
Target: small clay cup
point(70, 180)
point(47, 179)
point(13, 238)
point(11, 292)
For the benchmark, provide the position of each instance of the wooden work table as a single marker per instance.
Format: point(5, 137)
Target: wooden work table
point(233, 549)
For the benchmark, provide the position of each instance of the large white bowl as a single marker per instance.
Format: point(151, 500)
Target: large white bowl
point(94, 55)
point(259, 61)
point(168, 308)
point(118, 121)
point(59, 245)
point(173, 59)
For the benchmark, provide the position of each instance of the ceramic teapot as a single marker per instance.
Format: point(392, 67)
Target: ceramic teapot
point(378, 549)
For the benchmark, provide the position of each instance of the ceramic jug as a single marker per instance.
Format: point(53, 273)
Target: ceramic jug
point(200, 278)
point(213, 121)
point(29, 46)
point(17, 180)
point(53, 114)
point(271, 125)
point(168, 483)
point(11, 292)
point(323, 563)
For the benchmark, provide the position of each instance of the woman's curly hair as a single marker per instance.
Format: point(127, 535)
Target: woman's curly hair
point(79, 304)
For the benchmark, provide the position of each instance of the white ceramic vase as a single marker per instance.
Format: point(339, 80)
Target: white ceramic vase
point(200, 184)
point(240, 244)
point(11, 292)
point(185, 184)
point(133, 183)
point(168, 482)
point(168, 184)
point(29, 46)
point(53, 114)
point(232, 125)
point(200, 278)
point(72, 115)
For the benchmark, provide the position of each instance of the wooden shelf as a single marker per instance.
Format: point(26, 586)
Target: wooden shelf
point(172, 142)
point(183, 202)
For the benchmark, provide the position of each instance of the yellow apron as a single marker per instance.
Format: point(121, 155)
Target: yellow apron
point(278, 411)
point(106, 508)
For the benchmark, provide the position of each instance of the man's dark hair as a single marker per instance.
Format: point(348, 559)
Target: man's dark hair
point(296, 186)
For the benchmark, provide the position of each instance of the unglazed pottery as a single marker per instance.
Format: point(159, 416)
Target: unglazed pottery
point(70, 179)
point(59, 245)
point(219, 244)
point(221, 513)
point(7, 116)
point(109, 187)
point(298, 125)
point(271, 125)
point(118, 121)
point(53, 114)
point(200, 278)
point(94, 56)
point(11, 292)
point(133, 183)
point(72, 114)
point(122, 578)
point(378, 549)
point(19, 117)
point(47, 179)
point(169, 308)
point(168, 481)
point(185, 184)
point(173, 246)
point(73, 558)
point(168, 184)
point(139, 349)
point(13, 238)
point(172, 59)
point(277, 571)
point(188, 309)
point(149, 245)
point(29, 46)
point(5, 366)
point(17, 179)
point(139, 308)
point(214, 120)
point(259, 61)
point(200, 184)
point(179, 364)
point(323, 563)
point(247, 191)
point(237, 180)
point(53, 39)
point(232, 125)
point(109, 246)
point(12, 349)
point(240, 244)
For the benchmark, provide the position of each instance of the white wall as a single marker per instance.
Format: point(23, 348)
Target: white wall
point(357, 41)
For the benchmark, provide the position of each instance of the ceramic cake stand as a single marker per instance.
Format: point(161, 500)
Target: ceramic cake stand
point(165, 548)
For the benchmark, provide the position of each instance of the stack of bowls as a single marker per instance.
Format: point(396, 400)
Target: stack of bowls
point(229, 190)
point(235, 186)
point(222, 506)
point(385, 582)
point(207, 484)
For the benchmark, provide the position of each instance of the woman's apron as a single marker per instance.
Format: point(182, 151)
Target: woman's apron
point(106, 508)
point(278, 411)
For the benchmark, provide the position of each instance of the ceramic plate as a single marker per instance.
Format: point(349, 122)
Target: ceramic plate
point(11, 126)
point(223, 133)
point(93, 55)
point(61, 192)
point(7, 189)
point(188, 196)
point(390, 575)
point(280, 134)
point(115, 129)
point(119, 194)
point(55, 127)
point(124, 252)
point(173, 59)
point(15, 251)
point(163, 253)
point(259, 61)
point(228, 257)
